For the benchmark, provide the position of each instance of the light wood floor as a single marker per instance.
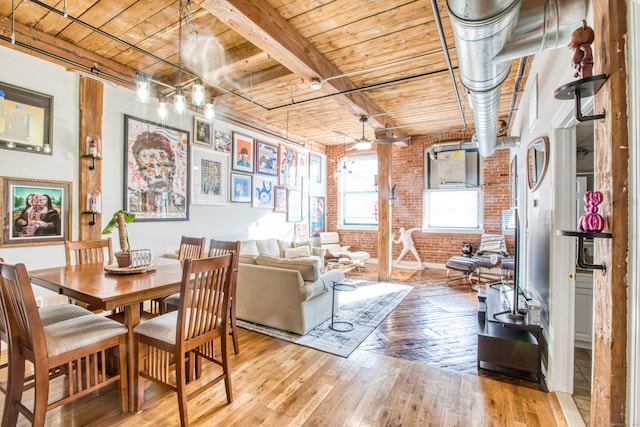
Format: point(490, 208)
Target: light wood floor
point(277, 383)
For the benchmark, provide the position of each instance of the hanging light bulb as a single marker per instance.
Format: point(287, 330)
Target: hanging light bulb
point(179, 101)
point(209, 111)
point(162, 108)
point(142, 87)
point(197, 94)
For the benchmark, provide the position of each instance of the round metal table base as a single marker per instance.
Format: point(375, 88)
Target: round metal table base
point(347, 326)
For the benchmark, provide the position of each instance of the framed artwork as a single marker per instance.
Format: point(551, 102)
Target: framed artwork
point(263, 189)
point(221, 141)
point(241, 187)
point(266, 158)
point(156, 180)
point(26, 119)
point(294, 205)
point(209, 177)
point(280, 199)
point(315, 168)
point(242, 153)
point(287, 166)
point(317, 215)
point(513, 182)
point(303, 163)
point(302, 231)
point(202, 132)
point(36, 212)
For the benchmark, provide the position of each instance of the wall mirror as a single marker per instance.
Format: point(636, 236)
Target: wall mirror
point(537, 159)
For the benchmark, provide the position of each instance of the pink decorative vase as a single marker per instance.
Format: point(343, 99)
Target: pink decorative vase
point(591, 220)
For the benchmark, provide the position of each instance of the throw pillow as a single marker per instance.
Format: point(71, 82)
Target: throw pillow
point(268, 247)
point(300, 251)
point(248, 247)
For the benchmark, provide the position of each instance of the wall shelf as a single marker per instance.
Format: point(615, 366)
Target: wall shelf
point(579, 89)
point(581, 235)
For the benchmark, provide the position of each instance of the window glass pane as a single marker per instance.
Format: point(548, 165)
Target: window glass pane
point(453, 209)
point(358, 194)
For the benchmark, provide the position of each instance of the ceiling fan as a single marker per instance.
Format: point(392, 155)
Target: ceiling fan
point(364, 144)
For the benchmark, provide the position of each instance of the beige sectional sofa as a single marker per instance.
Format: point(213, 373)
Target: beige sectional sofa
point(284, 285)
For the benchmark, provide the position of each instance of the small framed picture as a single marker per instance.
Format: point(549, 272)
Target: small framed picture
point(303, 163)
point(202, 132)
point(287, 166)
point(266, 158)
point(221, 141)
point(241, 186)
point(315, 168)
point(280, 199)
point(242, 153)
point(209, 177)
point(263, 188)
point(294, 205)
point(317, 214)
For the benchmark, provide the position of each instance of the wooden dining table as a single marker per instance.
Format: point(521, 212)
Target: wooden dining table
point(90, 283)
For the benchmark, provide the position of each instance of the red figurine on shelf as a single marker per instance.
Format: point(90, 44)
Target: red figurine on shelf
point(582, 60)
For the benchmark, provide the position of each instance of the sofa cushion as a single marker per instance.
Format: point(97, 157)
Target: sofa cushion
point(313, 289)
point(247, 259)
point(249, 247)
point(300, 251)
point(309, 267)
point(268, 247)
point(283, 244)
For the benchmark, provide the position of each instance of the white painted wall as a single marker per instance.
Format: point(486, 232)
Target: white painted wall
point(234, 221)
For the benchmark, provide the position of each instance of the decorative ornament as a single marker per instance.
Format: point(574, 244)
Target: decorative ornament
point(591, 220)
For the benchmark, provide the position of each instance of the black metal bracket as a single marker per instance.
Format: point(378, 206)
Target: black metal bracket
point(579, 89)
point(92, 166)
point(93, 214)
point(581, 235)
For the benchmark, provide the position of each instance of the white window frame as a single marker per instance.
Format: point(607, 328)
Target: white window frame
point(346, 164)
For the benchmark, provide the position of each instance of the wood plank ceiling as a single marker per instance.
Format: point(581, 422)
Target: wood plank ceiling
point(379, 58)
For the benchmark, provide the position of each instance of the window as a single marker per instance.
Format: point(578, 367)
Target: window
point(358, 195)
point(453, 196)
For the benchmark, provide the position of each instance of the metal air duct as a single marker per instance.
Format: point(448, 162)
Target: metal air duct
point(482, 30)
point(501, 142)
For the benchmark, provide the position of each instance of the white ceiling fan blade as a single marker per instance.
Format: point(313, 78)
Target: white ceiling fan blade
point(344, 134)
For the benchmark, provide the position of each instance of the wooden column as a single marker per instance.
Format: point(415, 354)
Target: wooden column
point(90, 174)
point(608, 395)
point(384, 212)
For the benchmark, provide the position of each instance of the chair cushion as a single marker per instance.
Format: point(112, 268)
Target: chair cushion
point(51, 314)
point(161, 327)
point(329, 237)
point(173, 300)
point(81, 331)
point(469, 264)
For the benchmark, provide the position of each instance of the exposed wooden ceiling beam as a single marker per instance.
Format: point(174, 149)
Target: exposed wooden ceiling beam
point(260, 24)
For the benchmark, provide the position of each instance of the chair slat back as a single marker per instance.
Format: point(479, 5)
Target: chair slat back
point(192, 247)
point(204, 300)
point(88, 251)
point(221, 247)
point(22, 312)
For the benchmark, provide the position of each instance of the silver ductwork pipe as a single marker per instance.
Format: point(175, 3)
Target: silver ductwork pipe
point(482, 29)
point(501, 143)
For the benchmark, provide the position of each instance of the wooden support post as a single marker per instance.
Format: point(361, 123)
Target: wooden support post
point(384, 212)
point(608, 395)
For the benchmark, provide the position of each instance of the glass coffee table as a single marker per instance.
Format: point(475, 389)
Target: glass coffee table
point(340, 325)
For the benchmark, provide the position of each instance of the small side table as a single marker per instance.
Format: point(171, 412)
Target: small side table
point(340, 325)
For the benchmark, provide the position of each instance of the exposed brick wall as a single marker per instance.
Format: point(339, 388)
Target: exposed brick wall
point(407, 174)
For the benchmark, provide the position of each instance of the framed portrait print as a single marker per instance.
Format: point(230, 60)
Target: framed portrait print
point(317, 214)
point(294, 205)
point(37, 212)
point(27, 120)
point(280, 199)
point(242, 150)
point(303, 163)
point(266, 158)
point(156, 180)
point(287, 166)
point(315, 168)
point(241, 187)
point(263, 189)
point(221, 141)
point(202, 132)
point(209, 177)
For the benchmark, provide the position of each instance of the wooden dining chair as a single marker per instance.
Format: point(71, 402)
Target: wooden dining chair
point(49, 314)
point(75, 347)
point(88, 251)
point(201, 319)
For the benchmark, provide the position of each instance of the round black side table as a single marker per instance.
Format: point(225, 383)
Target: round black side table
point(340, 325)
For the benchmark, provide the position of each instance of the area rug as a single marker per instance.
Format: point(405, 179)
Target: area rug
point(366, 308)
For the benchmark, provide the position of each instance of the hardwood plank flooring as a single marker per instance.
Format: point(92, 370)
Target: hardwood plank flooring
point(416, 369)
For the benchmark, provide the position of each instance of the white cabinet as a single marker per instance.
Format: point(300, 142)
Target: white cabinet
point(584, 309)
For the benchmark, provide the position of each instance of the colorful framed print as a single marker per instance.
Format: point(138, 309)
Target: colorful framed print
point(266, 158)
point(294, 205)
point(315, 168)
point(302, 231)
point(27, 120)
point(317, 215)
point(37, 212)
point(156, 180)
point(287, 166)
point(280, 199)
point(202, 132)
point(242, 150)
point(209, 177)
point(221, 141)
point(303, 163)
point(241, 187)
point(263, 192)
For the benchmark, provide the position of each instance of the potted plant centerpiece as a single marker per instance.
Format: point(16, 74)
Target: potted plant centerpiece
point(120, 220)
